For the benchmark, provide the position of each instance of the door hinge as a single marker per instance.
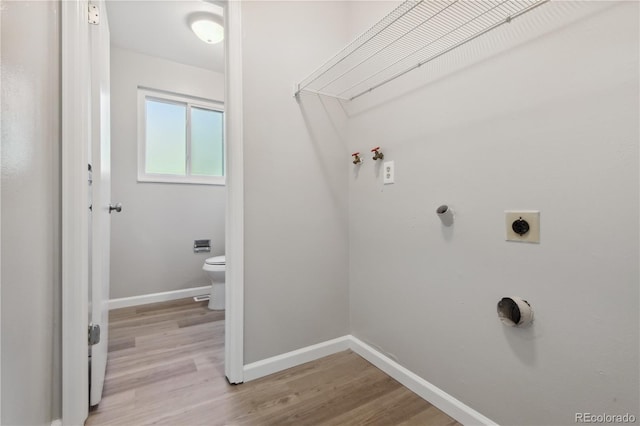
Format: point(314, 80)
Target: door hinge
point(94, 334)
point(94, 14)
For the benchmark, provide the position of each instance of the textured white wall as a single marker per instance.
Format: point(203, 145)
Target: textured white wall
point(30, 213)
point(296, 248)
point(544, 121)
point(152, 238)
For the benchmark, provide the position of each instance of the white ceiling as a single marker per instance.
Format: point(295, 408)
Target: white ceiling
point(160, 28)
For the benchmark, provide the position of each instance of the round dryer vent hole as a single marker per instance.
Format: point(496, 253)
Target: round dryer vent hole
point(515, 312)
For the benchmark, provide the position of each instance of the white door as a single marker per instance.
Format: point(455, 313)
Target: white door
point(101, 197)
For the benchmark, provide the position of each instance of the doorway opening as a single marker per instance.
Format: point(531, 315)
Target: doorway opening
point(75, 239)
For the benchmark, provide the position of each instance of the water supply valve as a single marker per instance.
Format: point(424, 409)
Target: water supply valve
point(356, 158)
point(377, 155)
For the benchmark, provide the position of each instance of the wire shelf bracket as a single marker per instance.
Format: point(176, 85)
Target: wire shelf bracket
point(413, 34)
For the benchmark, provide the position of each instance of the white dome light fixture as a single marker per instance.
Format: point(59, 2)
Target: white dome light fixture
point(207, 27)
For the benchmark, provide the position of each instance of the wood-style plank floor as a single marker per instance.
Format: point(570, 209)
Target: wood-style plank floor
point(166, 366)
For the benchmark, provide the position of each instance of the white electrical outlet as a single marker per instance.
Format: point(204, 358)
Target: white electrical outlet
point(388, 171)
point(523, 226)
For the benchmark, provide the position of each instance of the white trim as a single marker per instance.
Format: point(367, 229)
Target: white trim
point(145, 299)
point(75, 218)
point(56, 422)
point(178, 99)
point(0, 231)
point(258, 369)
point(189, 180)
point(234, 235)
point(427, 391)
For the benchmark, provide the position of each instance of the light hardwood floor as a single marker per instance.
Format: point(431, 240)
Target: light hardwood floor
point(166, 366)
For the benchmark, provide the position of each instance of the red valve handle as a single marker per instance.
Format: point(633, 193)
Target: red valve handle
point(375, 149)
point(355, 153)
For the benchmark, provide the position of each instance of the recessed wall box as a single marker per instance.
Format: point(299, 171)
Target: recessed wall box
point(202, 246)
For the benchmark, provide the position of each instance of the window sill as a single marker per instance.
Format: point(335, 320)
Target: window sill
point(191, 180)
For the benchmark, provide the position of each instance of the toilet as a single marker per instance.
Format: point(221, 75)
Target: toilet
point(215, 267)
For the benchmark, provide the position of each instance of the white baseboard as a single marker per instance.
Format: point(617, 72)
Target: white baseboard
point(258, 369)
point(427, 391)
point(145, 299)
point(56, 422)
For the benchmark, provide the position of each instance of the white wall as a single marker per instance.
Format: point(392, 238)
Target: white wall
point(30, 213)
point(152, 238)
point(296, 236)
point(550, 123)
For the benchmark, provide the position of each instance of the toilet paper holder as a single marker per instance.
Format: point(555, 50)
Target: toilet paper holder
point(201, 246)
point(515, 312)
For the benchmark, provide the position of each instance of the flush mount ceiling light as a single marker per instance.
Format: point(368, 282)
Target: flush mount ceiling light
point(207, 26)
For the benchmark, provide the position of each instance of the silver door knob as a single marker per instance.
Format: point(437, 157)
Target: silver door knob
point(117, 207)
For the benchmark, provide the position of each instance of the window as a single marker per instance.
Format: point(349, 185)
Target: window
point(180, 139)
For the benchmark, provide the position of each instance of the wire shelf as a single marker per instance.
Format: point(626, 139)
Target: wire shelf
point(414, 33)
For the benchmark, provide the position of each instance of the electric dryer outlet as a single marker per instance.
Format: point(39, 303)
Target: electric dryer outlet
point(523, 226)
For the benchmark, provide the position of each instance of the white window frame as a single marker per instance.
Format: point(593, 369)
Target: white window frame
point(190, 102)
